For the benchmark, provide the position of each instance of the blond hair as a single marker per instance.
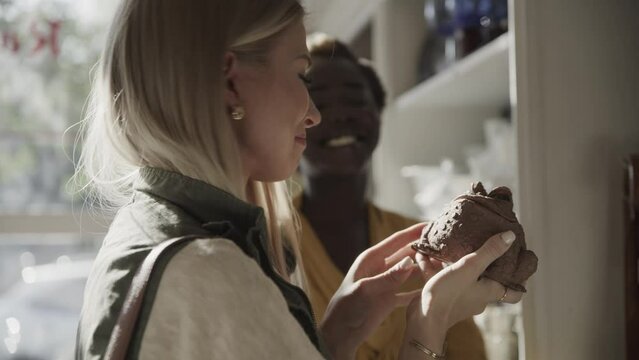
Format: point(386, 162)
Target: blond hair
point(157, 100)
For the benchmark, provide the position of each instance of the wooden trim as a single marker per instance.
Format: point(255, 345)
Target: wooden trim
point(631, 224)
point(528, 110)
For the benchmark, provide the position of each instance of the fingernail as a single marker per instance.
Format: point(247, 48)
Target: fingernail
point(405, 263)
point(508, 237)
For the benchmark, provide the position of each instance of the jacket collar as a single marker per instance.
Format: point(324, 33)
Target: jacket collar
point(205, 202)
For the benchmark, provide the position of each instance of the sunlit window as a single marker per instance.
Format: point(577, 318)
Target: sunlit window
point(47, 238)
point(46, 53)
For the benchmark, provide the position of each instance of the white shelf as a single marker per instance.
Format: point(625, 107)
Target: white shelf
point(341, 18)
point(480, 79)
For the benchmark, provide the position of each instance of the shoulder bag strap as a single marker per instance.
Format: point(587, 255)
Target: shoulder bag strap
point(121, 335)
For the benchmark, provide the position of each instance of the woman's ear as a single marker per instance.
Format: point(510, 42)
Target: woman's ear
point(231, 71)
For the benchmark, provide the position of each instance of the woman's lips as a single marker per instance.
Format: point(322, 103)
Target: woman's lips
point(301, 139)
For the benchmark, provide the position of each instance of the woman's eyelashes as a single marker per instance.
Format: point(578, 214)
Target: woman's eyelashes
point(305, 79)
point(350, 103)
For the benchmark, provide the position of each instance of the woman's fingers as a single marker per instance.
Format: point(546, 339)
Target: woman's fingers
point(493, 248)
point(391, 279)
point(511, 296)
point(396, 242)
point(382, 256)
point(495, 292)
point(490, 251)
point(405, 298)
point(428, 266)
point(492, 290)
point(404, 251)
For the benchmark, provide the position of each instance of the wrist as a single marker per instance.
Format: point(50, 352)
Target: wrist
point(428, 331)
point(336, 344)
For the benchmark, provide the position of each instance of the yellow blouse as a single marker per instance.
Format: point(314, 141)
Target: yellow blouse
point(464, 339)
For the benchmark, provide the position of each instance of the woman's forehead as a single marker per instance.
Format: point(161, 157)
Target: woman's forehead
point(292, 42)
point(336, 72)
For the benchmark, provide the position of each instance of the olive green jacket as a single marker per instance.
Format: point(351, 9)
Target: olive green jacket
point(166, 205)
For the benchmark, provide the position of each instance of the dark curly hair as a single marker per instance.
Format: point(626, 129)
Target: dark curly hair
point(325, 46)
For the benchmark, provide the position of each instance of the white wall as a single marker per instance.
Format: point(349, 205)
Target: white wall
point(577, 115)
point(414, 135)
point(422, 138)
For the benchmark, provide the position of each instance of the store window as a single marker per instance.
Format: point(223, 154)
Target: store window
point(48, 237)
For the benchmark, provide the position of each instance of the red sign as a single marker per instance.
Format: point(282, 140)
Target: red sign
point(46, 37)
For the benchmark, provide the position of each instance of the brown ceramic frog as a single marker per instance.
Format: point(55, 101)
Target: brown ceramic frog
point(468, 222)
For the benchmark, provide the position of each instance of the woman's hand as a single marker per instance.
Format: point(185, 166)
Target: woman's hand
point(370, 292)
point(454, 293)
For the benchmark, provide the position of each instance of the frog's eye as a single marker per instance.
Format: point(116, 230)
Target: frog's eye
point(504, 197)
point(501, 193)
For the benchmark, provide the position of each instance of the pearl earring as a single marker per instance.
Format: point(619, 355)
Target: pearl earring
point(237, 113)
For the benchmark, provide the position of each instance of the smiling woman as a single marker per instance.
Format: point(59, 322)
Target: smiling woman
point(350, 103)
point(338, 220)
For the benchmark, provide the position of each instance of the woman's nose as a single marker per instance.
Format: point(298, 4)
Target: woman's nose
point(313, 116)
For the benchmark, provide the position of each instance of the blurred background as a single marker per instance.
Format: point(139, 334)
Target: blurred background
point(540, 96)
point(47, 236)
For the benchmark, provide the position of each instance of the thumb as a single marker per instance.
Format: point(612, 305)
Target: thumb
point(493, 248)
point(391, 279)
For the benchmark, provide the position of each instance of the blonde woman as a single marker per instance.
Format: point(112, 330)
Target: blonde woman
point(199, 112)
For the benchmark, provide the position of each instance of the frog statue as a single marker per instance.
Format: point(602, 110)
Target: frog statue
point(468, 222)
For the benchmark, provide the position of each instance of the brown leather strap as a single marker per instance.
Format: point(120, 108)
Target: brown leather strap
point(123, 331)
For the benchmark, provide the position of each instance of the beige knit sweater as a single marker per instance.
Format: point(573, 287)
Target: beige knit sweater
point(214, 302)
